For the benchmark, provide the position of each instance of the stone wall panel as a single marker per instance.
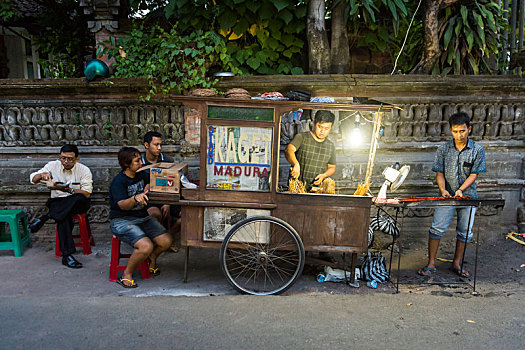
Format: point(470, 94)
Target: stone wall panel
point(32, 130)
point(33, 124)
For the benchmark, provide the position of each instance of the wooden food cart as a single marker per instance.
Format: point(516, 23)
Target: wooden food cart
point(263, 233)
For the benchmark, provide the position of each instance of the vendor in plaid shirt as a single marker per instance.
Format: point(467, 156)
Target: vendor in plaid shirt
point(311, 154)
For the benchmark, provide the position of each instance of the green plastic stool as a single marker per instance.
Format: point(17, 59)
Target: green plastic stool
point(18, 239)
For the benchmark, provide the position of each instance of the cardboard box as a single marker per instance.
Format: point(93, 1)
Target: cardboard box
point(165, 177)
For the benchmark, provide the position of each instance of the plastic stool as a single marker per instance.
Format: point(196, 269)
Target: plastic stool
point(116, 255)
point(86, 238)
point(18, 239)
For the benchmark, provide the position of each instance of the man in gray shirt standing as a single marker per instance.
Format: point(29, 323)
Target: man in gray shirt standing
point(457, 165)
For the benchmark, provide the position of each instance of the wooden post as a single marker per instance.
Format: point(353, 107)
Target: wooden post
point(514, 9)
point(520, 29)
point(505, 34)
point(373, 148)
point(363, 189)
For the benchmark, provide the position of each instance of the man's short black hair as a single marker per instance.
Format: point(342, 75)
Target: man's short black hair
point(324, 116)
point(126, 156)
point(150, 135)
point(459, 119)
point(69, 148)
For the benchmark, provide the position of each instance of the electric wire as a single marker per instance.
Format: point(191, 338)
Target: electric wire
point(406, 36)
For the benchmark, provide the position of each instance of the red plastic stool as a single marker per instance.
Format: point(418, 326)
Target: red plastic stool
point(116, 255)
point(86, 238)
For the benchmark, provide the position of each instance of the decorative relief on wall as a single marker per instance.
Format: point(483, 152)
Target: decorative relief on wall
point(32, 124)
point(429, 122)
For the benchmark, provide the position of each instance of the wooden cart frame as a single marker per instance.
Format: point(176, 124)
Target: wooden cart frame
point(305, 222)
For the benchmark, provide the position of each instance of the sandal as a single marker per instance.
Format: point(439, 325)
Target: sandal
point(154, 271)
point(457, 271)
point(132, 285)
point(426, 271)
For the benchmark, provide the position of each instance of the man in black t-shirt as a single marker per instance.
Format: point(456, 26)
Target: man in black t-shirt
point(153, 154)
point(129, 219)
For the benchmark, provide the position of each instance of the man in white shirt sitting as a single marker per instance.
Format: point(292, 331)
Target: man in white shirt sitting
point(71, 184)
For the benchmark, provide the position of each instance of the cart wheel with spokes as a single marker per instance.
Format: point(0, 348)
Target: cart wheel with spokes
point(262, 255)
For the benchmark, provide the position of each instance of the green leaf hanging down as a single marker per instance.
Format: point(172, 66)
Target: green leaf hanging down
point(253, 6)
point(470, 39)
point(253, 62)
point(297, 71)
point(474, 65)
point(459, 25)
point(464, 13)
point(448, 34)
point(401, 6)
point(491, 22)
point(479, 21)
point(286, 16)
point(280, 4)
point(481, 34)
point(392, 7)
point(369, 10)
point(446, 70)
point(353, 7)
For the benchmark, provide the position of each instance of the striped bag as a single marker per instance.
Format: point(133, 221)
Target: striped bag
point(384, 224)
point(374, 268)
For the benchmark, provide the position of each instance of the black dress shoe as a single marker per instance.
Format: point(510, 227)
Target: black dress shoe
point(36, 225)
point(71, 262)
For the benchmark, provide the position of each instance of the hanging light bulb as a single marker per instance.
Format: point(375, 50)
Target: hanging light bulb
point(355, 138)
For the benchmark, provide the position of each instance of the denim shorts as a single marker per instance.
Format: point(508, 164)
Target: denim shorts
point(131, 230)
point(443, 217)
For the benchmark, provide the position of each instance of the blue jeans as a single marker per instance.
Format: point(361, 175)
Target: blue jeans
point(131, 229)
point(443, 217)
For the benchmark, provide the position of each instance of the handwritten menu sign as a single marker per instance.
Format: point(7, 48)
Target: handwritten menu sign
point(239, 158)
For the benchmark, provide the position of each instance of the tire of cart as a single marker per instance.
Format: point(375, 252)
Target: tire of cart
point(262, 255)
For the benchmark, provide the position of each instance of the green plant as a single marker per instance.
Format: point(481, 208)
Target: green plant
point(58, 41)
point(172, 62)
point(263, 37)
point(376, 22)
point(7, 12)
point(469, 35)
point(63, 39)
point(108, 129)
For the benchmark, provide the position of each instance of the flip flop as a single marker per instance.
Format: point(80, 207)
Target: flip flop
point(426, 271)
point(121, 282)
point(154, 271)
point(457, 271)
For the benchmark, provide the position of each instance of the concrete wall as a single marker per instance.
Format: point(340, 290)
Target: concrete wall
point(37, 117)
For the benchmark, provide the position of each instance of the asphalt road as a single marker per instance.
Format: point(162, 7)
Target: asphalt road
point(307, 321)
point(44, 305)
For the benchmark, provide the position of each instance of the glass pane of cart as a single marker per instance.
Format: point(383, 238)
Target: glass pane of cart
point(241, 113)
point(239, 158)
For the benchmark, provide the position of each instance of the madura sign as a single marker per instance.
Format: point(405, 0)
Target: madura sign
point(239, 158)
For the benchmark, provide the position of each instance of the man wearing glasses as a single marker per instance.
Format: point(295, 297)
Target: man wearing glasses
point(71, 184)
